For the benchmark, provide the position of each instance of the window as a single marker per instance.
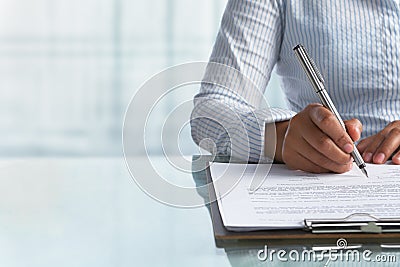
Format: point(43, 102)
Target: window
point(69, 68)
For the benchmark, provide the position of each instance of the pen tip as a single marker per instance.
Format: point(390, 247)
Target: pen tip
point(365, 172)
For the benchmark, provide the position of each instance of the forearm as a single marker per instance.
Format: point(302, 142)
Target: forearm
point(280, 131)
point(235, 128)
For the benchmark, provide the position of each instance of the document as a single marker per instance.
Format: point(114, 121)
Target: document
point(286, 197)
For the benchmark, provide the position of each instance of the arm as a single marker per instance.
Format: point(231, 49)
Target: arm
point(230, 116)
point(228, 119)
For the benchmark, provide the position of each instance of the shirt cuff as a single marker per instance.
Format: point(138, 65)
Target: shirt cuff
point(234, 133)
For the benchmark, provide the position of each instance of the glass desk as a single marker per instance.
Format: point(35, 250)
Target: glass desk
point(90, 212)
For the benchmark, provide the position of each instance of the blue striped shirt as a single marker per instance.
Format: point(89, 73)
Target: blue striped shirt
point(355, 44)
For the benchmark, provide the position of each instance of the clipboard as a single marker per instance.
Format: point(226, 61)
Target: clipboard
point(225, 238)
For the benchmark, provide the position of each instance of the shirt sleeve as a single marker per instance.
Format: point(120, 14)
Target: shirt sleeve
point(229, 115)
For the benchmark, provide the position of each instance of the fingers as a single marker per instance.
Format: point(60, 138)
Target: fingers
point(354, 129)
point(316, 142)
point(329, 124)
point(396, 158)
point(320, 142)
point(309, 159)
point(387, 147)
point(381, 146)
point(299, 162)
point(363, 144)
point(371, 147)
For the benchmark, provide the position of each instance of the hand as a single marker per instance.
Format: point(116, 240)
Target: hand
point(314, 141)
point(380, 147)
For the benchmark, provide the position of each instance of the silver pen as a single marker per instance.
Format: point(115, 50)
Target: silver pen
point(318, 83)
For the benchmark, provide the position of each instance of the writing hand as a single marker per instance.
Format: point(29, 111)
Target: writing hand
point(380, 147)
point(314, 141)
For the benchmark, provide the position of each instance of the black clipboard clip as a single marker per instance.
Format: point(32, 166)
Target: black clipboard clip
point(354, 223)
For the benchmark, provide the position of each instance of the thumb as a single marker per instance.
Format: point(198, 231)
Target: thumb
point(354, 128)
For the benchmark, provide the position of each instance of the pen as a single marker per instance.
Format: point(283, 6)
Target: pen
point(318, 83)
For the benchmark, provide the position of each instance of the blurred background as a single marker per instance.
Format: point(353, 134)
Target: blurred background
point(68, 68)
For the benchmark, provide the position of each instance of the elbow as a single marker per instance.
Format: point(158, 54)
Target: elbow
point(194, 129)
point(202, 130)
point(196, 124)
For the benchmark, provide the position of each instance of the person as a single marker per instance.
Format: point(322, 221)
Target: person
point(355, 44)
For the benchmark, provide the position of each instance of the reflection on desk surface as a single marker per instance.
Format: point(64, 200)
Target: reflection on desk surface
point(90, 212)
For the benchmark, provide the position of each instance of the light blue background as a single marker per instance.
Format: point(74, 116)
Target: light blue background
point(69, 68)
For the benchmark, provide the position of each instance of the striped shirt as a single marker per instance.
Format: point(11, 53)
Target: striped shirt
point(355, 44)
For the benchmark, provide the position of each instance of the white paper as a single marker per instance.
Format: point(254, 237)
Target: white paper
point(287, 197)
